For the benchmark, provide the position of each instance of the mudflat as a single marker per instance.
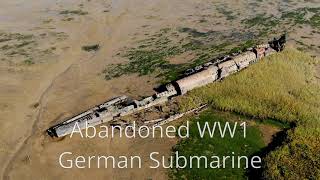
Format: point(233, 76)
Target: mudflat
point(46, 75)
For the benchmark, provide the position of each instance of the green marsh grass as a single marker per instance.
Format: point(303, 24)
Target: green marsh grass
point(217, 146)
point(281, 87)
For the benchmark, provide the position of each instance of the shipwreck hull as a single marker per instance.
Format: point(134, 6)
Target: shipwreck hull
point(197, 77)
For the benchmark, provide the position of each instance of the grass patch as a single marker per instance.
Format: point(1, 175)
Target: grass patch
point(217, 146)
point(4, 37)
point(261, 20)
point(283, 82)
point(89, 48)
point(315, 20)
point(18, 48)
point(275, 123)
point(280, 87)
point(28, 62)
point(243, 46)
point(24, 43)
point(269, 24)
point(195, 33)
point(4, 40)
point(296, 17)
point(68, 19)
point(151, 56)
point(73, 12)
point(228, 14)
